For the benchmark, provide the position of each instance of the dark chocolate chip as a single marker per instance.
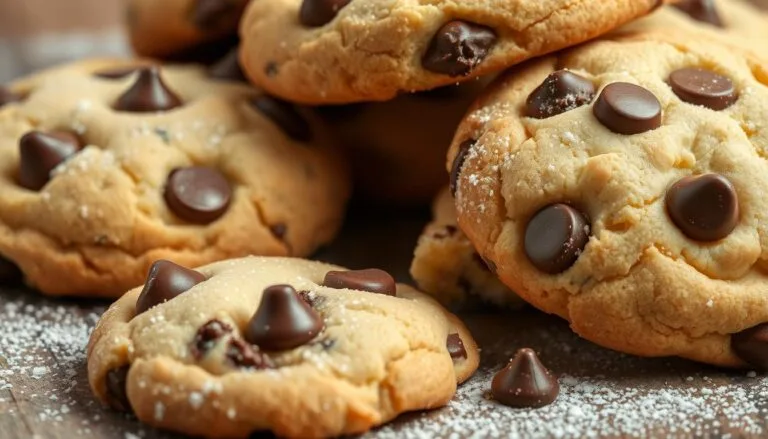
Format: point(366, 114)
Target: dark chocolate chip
point(117, 397)
point(626, 108)
point(455, 347)
point(555, 237)
point(316, 13)
point(41, 153)
point(228, 68)
point(704, 207)
point(207, 336)
point(283, 320)
point(7, 96)
point(458, 163)
point(148, 94)
point(198, 194)
point(278, 230)
point(562, 91)
point(215, 14)
point(701, 10)
point(9, 272)
point(286, 116)
point(525, 382)
point(458, 47)
point(751, 345)
point(117, 73)
point(243, 355)
point(165, 281)
point(704, 88)
point(371, 280)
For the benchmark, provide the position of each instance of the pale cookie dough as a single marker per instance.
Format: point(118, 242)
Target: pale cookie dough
point(105, 168)
point(446, 265)
point(627, 193)
point(320, 51)
point(299, 348)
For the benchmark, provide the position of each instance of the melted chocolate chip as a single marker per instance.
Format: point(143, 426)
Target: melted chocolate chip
point(148, 94)
point(704, 88)
point(751, 345)
point(9, 272)
point(165, 281)
point(117, 396)
point(371, 280)
point(198, 194)
point(555, 237)
point(626, 108)
point(701, 10)
point(316, 13)
point(285, 116)
point(243, 355)
point(228, 68)
point(41, 153)
point(703, 207)
point(456, 347)
point(458, 47)
point(7, 96)
point(525, 382)
point(458, 163)
point(117, 73)
point(562, 91)
point(283, 320)
point(207, 336)
point(214, 14)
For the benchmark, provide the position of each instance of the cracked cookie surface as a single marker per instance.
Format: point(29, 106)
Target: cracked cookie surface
point(318, 51)
point(621, 186)
point(301, 348)
point(107, 166)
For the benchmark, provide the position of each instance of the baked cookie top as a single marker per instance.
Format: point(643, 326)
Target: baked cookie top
point(621, 185)
point(107, 166)
point(320, 51)
point(301, 348)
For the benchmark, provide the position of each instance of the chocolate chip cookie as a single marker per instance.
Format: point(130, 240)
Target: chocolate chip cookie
point(106, 166)
point(299, 348)
point(621, 186)
point(320, 51)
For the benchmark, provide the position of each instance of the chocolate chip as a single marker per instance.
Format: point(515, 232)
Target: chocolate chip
point(198, 194)
point(371, 280)
point(704, 88)
point(207, 336)
point(271, 69)
point(315, 13)
point(458, 163)
point(214, 14)
point(283, 320)
point(456, 347)
point(626, 108)
point(285, 116)
point(243, 355)
point(117, 73)
point(9, 272)
point(165, 281)
point(7, 96)
point(751, 345)
point(117, 397)
point(525, 382)
point(458, 47)
point(148, 94)
point(701, 10)
point(228, 68)
point(41, 153)
point(562, 91)
point(555, 237)
point(703, 207)
point(278, 230)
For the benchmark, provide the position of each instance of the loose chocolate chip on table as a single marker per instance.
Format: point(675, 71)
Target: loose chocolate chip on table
point(458, 47)
point(41, 152)
point(7, 96)
point(525, 382)
point(315, 13)
point(198, 194)
point(165, 281)
point(9, 272)
point(207, 336)
point(626, 108)
point(703, 207)
point(211, 14)
point(555, 237)
point(458, 163)
point(371, 280)
point(283, 320)
point(117, 73)
point(228, 68)
point(148, 94)
point(243, 355)
point(285, 116)
point(704, 88)
point(751, 345)
point(116, 391)
point(562, 91)
point(456, 347)
point(701, 10)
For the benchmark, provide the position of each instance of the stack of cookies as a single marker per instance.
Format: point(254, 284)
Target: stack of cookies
point(602, 161)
